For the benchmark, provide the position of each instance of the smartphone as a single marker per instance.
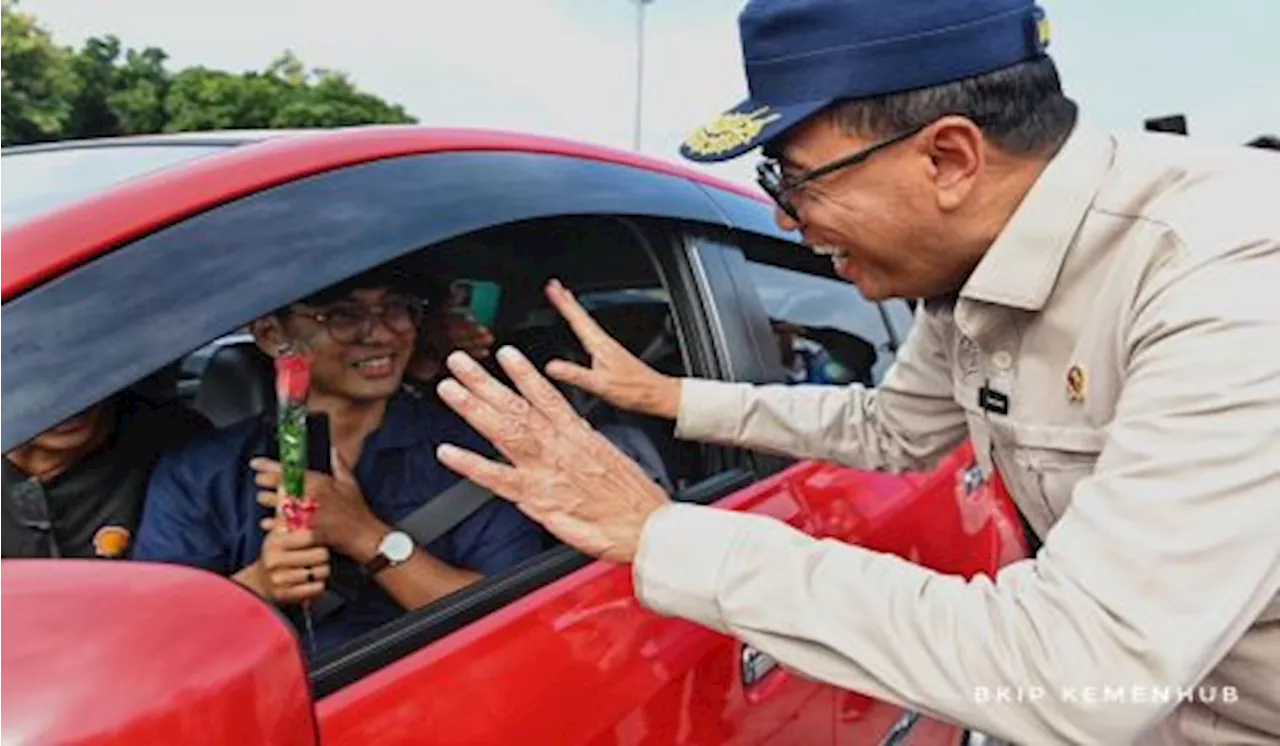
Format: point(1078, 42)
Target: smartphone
point(479, 298)
point(319, 450)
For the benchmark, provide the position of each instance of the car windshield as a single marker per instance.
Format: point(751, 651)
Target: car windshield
point(37, 181)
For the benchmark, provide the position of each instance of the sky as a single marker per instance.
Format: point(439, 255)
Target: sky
point(568, 67)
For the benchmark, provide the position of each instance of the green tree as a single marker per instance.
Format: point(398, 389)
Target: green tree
point(120, 92)
point(38, 81)
point(104, 89)
point(286, 94)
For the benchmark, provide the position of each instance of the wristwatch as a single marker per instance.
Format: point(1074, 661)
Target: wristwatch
point(395, 549)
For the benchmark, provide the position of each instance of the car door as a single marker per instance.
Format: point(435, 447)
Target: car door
point(571, 657)
point(945, 519)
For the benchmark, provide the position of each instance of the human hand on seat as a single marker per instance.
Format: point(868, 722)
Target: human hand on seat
point(616, 376)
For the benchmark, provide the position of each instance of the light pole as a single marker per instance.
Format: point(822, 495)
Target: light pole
point(639, 71)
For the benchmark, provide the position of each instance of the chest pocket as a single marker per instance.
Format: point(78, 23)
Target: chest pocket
point(1046, 462)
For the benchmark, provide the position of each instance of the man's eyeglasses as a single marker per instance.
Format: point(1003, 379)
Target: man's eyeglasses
point(770, 176)
point(348, 323)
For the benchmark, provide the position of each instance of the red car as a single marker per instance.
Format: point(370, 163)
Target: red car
point(134, 263)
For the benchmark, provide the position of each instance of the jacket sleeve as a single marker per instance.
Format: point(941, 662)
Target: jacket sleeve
point(1167, 554)
point(908, 423)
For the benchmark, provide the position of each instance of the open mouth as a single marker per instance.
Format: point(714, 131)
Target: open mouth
point(839, 256)
point(377, 366)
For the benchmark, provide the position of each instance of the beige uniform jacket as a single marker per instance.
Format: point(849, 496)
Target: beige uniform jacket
point(1130, 312)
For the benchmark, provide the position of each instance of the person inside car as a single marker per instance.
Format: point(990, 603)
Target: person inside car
point(806, 360)
point(210, 503)
point(76, 490)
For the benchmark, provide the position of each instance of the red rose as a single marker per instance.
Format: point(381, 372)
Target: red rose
point(293, 378)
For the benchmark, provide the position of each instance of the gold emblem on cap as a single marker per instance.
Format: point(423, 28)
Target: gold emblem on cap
point(111, 542)
point(1075, 383)
point(730, 131)
point(1042, 31)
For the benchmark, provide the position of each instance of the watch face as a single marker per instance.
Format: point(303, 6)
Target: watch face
point(397, 546)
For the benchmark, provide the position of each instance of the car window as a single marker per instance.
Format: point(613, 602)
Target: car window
point(229, 380)
point(38, 181)
point(826, 330)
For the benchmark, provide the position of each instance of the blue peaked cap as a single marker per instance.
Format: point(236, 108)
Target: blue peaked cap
point(803, 55)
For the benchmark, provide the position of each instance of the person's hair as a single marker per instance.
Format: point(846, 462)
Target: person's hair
point(386, 276)
point(1021, 109)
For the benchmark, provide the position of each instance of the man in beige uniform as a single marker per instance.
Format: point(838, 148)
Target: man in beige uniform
point(1103, 322)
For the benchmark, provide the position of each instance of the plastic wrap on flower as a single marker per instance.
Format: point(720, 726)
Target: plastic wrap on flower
point(293, 385)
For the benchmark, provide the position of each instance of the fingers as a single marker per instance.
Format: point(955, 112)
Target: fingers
point(576, 375)
point(486, 387)
point(585, 327)
point(296, 594)
point(266, 473)
point(269, 499)
point(293, 549)
point(300, 575)
point(499, 479)
point(536, 389)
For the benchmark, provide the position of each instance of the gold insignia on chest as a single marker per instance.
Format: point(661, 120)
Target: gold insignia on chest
point(1076, 383)
point(730, 131)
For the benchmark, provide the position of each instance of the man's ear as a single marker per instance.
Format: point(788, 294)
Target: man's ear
point(956, 149)
point(268, 334)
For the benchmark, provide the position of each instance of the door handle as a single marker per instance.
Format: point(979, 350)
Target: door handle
point(761, 676)
point(901, 729)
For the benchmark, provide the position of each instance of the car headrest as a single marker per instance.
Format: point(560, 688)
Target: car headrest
point(546, 342)
point(237, 383)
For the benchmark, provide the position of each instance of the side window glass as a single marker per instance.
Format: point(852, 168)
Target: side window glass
point(826, 332)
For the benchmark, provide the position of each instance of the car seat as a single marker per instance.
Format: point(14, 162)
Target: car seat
point(236, 384)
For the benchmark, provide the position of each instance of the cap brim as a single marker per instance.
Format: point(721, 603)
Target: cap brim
point(750, 124)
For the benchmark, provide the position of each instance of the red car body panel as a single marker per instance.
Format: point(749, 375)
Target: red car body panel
point(622, 675)
point(575, 662)
point(98, 658)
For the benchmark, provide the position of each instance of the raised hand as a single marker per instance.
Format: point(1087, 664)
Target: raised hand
point(615, 375)
point(562, 473)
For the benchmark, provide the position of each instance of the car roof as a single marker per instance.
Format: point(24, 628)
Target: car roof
point(219, 137)
point(52, 243)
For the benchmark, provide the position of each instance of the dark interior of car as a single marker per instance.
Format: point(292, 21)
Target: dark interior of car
point(230, 379)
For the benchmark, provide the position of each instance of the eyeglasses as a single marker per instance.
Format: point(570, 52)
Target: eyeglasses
point(348, 323)
point(770, 176)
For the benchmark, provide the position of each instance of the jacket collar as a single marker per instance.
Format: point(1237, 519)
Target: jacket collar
point(1022, 266)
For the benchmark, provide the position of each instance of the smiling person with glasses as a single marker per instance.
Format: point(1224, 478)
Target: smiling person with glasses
point(1099, 320)
point(210, 503)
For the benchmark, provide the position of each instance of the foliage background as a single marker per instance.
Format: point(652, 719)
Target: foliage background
point(53, 92)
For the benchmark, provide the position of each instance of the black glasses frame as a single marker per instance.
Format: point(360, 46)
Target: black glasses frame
point(773, 181)
point(417, 308)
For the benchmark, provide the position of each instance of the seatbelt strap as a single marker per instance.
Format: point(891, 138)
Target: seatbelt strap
point(433, 519)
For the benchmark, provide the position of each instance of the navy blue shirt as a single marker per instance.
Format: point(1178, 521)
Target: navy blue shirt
point(202, 510)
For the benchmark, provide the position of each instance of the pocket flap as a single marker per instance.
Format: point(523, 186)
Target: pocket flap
point(1054, 438)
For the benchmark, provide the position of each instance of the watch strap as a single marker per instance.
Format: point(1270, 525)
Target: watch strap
point(376, 565)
